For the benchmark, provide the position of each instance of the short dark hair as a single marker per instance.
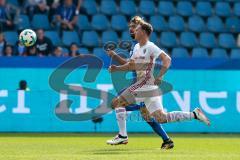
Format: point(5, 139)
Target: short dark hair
point(147, 27)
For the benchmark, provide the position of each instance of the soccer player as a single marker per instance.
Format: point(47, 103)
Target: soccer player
point(145, 88)
point(122, 137)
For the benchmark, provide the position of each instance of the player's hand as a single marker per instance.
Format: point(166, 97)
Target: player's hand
point(112, 68)
point(110, 53)
point(158, 81)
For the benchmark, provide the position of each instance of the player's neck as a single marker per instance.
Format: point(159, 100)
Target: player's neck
point(143, 41)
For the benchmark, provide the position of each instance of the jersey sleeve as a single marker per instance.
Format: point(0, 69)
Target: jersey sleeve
point(156, 51)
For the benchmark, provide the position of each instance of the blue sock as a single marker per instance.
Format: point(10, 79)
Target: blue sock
point(133, 107)
point(157, 127)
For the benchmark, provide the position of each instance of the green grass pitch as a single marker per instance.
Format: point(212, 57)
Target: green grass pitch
point(140, 147)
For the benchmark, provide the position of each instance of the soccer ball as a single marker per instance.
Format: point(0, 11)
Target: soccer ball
point(27, 37)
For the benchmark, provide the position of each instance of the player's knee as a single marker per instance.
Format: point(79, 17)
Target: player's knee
point(160, 117)
point(115, 102)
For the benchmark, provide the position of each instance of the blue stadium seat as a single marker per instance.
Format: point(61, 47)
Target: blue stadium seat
point(100, 22)
point(108, 7)
point(109, 36)
point(233, 24)
point(196, 24)
point(235, 54)
point(119, 22)
point(204, 9)
point(99, 52)
point(207, 40)
point(219, 53)
point(147, 7)
point(188, 39)
point(168, 39)
point(126, 36)
point(11, 37)
point(83, 51)
point(215, 24)
point(90, 39)
point(166, 8)
point(226, 40)
point(70, 37)
point(223, 9)
point(23, 22)
point(154, 38)
point(184, 8)
point(236, 9)
point(90, 6)
point(199, 53)
point(40, 21)
point(83, 22)
point(13, 2)
point(158, 23)
point(179, 53)
point(128, 7)
point(176, 23)
point(54, 37)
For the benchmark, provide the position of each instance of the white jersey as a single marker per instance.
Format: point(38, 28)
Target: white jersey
point(144, 58)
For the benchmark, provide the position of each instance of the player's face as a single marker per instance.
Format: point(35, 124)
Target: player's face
point(132, 28)
point(138, 32)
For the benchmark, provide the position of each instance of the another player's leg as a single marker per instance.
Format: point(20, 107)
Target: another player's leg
point(178, 116)
point(157, 127)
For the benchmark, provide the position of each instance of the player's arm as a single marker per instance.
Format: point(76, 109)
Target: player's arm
point(116, 57)
point(130, 65)
point(166, 62)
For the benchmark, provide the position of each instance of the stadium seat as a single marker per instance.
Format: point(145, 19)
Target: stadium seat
point(226, 40)
point(158, 23)
point(126, 36)
point(184, 8)
point(90, 6)
point(215, 24)
point(207, 40)
point(13, 2)
point(23, 22)
point(168, 39)
point(188, 39)
point(83, 51)
point(204, 9)
point(236, 9)
point(179, 53)
point(108, 7)
point(147, 7)
point(100, 22)
point(128, 7)
point(166, 8)
point(54, 37)
point(11, 37)
point(109, 36)
point(235, 54)
point(99, 52)
point(40, 21)
point(176, 23)
point(119, 22)
point(196, 24)
point(223, 9)
point(233, 24)
point(154, 38)
point(90, 39)
point(70, 37)
point(199, 53)
point(83, 23)
point(219, 53)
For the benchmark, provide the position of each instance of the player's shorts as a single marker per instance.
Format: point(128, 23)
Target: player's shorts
point(150, 95)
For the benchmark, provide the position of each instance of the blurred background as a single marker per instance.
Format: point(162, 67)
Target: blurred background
point(201, 36)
